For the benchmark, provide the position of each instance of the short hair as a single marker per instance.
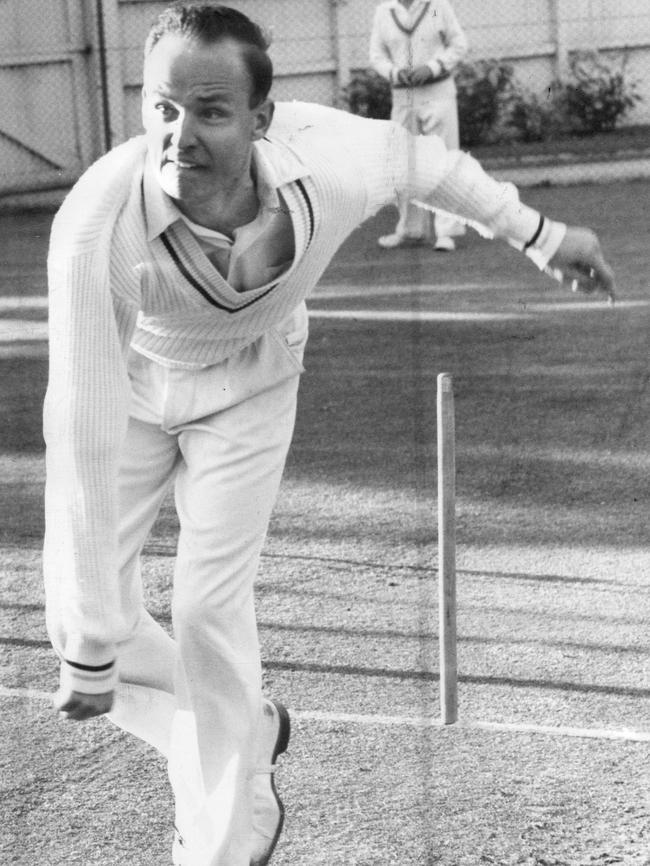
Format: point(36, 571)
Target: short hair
point(212, 23)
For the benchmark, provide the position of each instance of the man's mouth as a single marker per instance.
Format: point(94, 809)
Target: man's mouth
point(181, 163)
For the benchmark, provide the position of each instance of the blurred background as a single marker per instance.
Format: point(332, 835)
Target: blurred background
point(543, 78)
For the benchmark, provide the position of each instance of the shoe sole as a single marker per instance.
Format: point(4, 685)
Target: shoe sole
point(405, 244)
point(281, 744)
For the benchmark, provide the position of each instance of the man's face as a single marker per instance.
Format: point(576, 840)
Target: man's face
point(199, 125)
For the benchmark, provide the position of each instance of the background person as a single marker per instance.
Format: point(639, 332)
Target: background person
point(416, 45)
point(178, 270)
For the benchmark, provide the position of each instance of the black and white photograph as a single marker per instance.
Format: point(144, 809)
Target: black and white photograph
point(324, 432)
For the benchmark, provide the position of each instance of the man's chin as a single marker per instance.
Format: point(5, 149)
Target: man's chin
point(182, 184)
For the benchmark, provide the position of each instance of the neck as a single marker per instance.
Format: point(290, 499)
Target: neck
point(227, 207)
point(224, 211)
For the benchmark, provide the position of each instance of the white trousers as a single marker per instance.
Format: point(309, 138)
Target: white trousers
point(422, 112)
point(221, 435)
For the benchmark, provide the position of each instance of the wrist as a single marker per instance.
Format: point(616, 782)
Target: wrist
point(88, 666)
point(534, 234)
point(545, 241)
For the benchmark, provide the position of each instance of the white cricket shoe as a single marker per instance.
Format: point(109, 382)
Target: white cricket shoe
point(391, 242)
point(445, 245)
point(268, 811)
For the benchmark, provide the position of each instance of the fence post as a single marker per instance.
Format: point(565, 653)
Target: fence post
point(112, 82)
point(340, 45)
point(560, 40)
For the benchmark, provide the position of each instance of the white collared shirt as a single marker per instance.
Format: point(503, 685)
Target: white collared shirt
point(258, 251)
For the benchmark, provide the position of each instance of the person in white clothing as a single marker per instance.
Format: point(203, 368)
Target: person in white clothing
point(416, 45)
point(178, 270)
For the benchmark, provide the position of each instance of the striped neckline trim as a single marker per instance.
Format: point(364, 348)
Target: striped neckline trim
point(192, 280)
point(410, 30)
point(175, 251)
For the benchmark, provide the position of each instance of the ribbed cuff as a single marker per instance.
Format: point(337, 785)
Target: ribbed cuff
point(537, 236)
point(547, 243)
point(88, 666)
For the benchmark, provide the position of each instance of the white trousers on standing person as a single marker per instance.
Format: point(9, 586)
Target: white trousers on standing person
point(221, 434)
point(428, 110)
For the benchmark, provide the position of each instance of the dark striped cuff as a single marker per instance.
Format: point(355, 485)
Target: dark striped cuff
point(535, 237)
point(90, 668)
point(89, 679)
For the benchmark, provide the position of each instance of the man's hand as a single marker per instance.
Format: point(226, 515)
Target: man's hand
point(403, 77)
point(79, 706)
point(422, 75)
point(580, 259)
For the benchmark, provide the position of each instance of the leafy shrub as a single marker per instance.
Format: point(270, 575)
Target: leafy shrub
point(535, 118)
point(493, 106)
point(484, 92)
point(595, 95)
point(368, 94)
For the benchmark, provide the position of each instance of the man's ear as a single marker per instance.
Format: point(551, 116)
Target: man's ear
point(263, 117)
point(143, 102)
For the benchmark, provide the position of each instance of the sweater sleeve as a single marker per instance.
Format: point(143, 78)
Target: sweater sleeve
point(85, 418)
point(380, 58)
point(397, 166)
point(454, 39)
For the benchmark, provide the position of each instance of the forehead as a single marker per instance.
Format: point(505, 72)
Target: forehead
point(181, 63)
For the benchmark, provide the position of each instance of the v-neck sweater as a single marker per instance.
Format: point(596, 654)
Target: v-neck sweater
point(112, 287)
point(428, 33)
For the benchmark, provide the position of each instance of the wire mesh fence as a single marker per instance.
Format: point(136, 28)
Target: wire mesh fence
point(70, 74)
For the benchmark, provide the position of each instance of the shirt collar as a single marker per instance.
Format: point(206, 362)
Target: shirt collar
point(274, 167)
point(417, 4)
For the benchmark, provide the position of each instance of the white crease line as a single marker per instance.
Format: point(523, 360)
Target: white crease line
point(584, 305)
point(414, 316)
point(593, 733)
point(330, 291)
point(525, 311)
point(19, 330)
point(28, 694)
point(412, 721)
point(356, 719)
point(23, 302)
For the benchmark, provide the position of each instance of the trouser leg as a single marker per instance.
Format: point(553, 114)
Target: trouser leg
point(414, 221)
point(145, 701)
point(226, 486)
point(441, 118)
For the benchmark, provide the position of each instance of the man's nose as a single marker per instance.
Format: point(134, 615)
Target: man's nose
point(183, 133)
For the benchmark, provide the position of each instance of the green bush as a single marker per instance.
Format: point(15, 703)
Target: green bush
point(368, 94)
point(532, 117)
point(493, 106)
point(596, 96)
point(484, 93)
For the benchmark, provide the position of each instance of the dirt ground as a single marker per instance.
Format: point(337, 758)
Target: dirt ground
point(552, 406)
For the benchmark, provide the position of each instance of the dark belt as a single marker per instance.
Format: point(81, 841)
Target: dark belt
point(435, 80)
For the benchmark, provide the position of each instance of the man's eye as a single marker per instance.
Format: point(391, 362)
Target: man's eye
point(212, 113)
point(164, 108)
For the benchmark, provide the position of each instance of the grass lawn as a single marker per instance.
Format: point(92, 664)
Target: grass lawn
point(623, 143)
point(552, 404)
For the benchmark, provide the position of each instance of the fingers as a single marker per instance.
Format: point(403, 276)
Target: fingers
point(596, 277)
point(78, 707)
point(579, 263)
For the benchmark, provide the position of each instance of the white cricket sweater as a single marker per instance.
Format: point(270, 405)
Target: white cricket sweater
point(112, 287)
point(427, 34)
